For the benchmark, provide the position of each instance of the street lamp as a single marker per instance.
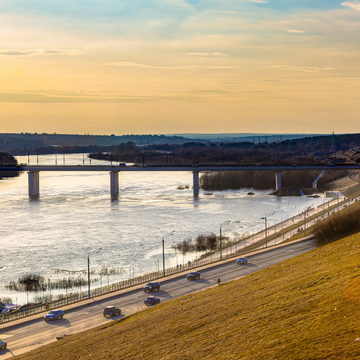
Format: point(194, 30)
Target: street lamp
point(93, 252)
point(163, 248)
point(266, 227)
point(220, 238)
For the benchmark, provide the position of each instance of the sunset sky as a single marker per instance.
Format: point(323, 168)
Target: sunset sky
point(167, 66)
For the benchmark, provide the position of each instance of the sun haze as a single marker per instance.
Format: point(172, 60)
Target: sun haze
point(166, 66)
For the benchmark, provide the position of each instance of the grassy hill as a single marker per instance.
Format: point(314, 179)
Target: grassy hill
point(305, 308)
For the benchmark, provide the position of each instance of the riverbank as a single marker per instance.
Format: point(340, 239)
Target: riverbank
point(293, 183)
point(7, 159)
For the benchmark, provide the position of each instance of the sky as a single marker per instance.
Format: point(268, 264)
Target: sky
point(176, 66)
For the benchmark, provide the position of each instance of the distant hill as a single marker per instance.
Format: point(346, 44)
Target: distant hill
point(23, 143)
point(250, 137)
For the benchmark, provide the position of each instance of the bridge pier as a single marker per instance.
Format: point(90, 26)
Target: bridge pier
point(34, 185)
point(196, 184)
point(114, 185)
point(278, 183)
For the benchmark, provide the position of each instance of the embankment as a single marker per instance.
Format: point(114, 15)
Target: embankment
point(304, 308)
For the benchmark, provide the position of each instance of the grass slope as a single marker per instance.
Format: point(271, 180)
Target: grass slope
point(305, 308)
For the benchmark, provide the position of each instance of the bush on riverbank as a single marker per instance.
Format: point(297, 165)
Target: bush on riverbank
point(343, 223)
point(7, 159)
point(34, 282)
point(264, 180)
point(6, 300)
point(201, 243)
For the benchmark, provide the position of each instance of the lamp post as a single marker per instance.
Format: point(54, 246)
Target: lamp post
point(266, 226)
point(220, 237)
point(88, 268)
point(163, 248)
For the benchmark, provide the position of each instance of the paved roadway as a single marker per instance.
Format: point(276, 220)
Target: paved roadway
point(27, 336)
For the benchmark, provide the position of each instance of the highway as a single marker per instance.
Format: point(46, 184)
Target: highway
point(25, 336)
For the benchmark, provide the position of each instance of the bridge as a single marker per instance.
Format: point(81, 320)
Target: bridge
point(114, 170)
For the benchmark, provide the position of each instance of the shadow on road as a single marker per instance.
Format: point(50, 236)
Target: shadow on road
point(61, 322)
point(113, 318)
point(201, 281)
point(250, 265)
point(6, 352)
point(164, 294)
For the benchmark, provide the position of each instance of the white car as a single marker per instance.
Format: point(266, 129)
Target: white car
point(3, 344)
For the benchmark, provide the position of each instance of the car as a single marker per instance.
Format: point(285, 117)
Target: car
point(3, 344)
point(193, 276)
point(111, 311)
point(122, 164)
point(54, 315)
point(151, 300)
point(242, 261)
point(152, 286)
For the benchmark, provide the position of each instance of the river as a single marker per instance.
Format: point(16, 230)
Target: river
point(75, 216)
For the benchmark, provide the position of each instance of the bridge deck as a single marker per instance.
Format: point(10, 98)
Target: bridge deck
point(178, 168)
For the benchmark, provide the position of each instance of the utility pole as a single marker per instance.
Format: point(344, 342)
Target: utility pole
point(88, 273)
point(163, 255)
point(88, 268)
point(266, 226)
point(163, 249)
point(220, 238)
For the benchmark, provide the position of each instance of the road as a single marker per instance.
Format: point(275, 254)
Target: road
point(27, 336)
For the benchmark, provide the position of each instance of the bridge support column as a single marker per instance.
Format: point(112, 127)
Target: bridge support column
point(196, 184)
point(114, 185)
point(278, 184)
point(34, 185)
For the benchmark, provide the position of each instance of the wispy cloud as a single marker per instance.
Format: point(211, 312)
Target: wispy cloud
point(39, 52)
point(308, 69)
point(210, 54)
point(295, 31)
point(355, 5)
point(45, 96)
point(162, 67)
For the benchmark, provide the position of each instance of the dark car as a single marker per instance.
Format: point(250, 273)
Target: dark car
point(54, 315)
point(193, 276)
point(242, 261)
point(3, 344)
point(151, 300)
point(111, 311)
point(152, 286)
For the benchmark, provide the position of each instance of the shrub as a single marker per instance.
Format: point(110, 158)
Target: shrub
point(345, 222)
